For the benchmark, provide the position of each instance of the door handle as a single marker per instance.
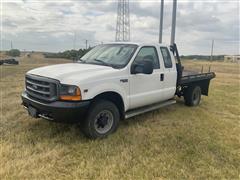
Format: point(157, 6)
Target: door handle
point(161, 77)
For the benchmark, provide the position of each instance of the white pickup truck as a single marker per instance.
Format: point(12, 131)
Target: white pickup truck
point(112, 82)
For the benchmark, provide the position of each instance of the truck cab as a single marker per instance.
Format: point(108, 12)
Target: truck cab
point(157, 85)
point(111, 82)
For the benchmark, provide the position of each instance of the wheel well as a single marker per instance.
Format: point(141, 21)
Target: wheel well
point(204, 85)
point(114, 98)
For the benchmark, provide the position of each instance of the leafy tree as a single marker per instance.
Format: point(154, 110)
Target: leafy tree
point(13, 53)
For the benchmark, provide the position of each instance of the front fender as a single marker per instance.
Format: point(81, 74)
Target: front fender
point(107, 87)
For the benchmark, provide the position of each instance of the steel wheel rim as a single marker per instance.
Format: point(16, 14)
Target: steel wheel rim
point(196, 96)
point(103, 121)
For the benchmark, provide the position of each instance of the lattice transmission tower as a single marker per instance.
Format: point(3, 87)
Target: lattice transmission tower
point(123, 21)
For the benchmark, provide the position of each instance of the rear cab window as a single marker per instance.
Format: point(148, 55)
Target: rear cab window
point(166, 57)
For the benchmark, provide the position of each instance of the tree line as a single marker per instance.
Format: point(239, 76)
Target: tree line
point(68, 54)
point(76, 54)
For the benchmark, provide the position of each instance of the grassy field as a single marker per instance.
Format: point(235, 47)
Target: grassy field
point(176, 142)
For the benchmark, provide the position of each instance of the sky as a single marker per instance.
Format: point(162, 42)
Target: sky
point(52, 25)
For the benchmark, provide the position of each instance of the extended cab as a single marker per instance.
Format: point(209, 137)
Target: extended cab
point(112, 82)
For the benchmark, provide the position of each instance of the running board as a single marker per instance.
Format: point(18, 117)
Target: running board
point(145, 109)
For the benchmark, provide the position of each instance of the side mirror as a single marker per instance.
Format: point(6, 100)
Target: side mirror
point(144, 67)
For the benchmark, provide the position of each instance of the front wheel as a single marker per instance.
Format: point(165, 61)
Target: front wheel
point(192, 96)
point(102, 119)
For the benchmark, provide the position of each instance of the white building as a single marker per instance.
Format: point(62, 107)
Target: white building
point(234, 58)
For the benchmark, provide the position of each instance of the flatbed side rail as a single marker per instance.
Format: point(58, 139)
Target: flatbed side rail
point(197, 77)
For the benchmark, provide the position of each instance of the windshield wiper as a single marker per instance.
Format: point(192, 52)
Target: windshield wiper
point(81, 60)
point(103, 62)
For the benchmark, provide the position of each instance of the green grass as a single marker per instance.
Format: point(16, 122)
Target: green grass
point(176, 142)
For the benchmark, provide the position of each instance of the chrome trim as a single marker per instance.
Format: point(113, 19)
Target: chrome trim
point(45, 117)
point(38, 91)
point(41, 115)
point(39, 85)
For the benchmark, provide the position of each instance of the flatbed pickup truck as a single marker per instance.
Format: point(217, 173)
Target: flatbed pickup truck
point(112, 82)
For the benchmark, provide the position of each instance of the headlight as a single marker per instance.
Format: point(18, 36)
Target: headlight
point(70, 93)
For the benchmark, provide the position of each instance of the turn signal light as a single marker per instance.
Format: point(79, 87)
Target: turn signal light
point(76, 97)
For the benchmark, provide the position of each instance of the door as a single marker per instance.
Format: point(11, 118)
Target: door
point(146, 89)
point(170, 73)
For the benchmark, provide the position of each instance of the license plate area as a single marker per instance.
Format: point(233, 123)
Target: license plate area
point(32, 112)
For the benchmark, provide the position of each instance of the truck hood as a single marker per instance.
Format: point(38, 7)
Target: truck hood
point(72, 72)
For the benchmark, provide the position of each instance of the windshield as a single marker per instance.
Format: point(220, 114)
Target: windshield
point(114, 55)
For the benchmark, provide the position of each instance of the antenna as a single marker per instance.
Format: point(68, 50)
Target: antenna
point(123, 21)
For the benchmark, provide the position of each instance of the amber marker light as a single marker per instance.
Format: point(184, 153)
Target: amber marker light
point(70, 93)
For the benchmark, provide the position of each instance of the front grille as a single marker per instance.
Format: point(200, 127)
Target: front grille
point(42, 88)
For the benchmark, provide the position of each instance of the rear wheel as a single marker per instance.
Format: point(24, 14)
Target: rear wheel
point(192, 96)
point(102, 119)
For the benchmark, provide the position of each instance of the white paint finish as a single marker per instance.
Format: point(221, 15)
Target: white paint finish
point(138, 91)
point(95, 79)
point(148, 89)
point(107, 83)
point(145, 89)
point(170, 76)
point(72, 72)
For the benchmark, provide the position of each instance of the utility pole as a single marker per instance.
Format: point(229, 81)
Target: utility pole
point(74, 41)
point(174, 16)
point(86, 44)
point(123, 21)
point(161, 21)
point(211, 58)
point(11, 45)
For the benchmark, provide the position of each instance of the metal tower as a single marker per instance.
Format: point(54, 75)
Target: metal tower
point(123, 21)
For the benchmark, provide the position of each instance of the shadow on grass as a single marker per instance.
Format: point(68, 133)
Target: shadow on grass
point(47, 130)
point(43, 130)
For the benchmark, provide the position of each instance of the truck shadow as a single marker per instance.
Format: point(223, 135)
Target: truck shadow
point(42, 130)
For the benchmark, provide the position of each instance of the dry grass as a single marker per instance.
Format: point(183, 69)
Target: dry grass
point(176, 142)
point(3, 55)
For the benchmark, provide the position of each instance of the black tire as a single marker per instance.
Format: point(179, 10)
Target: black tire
point(192, 96)
point(102, 119)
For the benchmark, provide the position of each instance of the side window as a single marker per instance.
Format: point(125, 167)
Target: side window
point(166, 57)
point(149, 53)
